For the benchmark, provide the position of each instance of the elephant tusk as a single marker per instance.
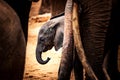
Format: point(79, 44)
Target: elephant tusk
point(78, 44)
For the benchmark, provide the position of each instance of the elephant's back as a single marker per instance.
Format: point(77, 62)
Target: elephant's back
point(12, 44)
point(10, 26)
point(8, 16)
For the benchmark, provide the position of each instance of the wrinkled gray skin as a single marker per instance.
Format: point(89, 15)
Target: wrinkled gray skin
point(12, 44)
point(50, 34)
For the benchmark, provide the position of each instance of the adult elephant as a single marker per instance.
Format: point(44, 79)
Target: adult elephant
point(12, 44)
point(22, 8)
point(99, 37)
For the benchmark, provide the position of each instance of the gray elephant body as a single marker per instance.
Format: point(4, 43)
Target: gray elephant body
point(12, 44)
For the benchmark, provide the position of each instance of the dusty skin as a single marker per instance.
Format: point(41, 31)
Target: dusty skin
point(34, 70)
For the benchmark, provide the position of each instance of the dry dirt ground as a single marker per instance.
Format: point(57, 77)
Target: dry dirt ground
point(34, 70)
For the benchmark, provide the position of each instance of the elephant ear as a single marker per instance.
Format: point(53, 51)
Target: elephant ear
point(51, 24)
point(58, 40)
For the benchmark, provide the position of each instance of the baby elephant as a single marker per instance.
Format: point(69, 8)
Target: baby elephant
point(50, 34)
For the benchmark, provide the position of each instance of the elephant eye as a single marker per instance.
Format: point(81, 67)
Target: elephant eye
point(41, 39)
point(41, 31)
point(49, 30)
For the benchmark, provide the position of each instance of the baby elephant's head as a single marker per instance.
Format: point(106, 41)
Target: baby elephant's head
point(50, 34)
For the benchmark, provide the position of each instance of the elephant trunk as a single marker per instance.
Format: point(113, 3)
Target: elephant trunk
point(39, 58)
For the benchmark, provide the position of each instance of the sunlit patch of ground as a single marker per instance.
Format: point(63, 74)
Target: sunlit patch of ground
point(34, 70)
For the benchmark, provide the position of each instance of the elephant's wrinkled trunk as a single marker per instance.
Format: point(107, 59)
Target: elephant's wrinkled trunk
point(39, 57)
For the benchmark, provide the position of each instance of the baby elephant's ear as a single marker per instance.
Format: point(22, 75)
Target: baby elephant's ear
point(58, 40)
point(52, 24)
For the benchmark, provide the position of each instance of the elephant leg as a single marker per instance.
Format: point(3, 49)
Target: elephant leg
point(66, 63)
point(105, 67)
point(112, 49)
point(65, 68)
point(112, 66)
point(112, 42)
point(78, 68)
point(95, 17)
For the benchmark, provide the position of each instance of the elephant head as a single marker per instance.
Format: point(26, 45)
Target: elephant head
point(50, 34)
